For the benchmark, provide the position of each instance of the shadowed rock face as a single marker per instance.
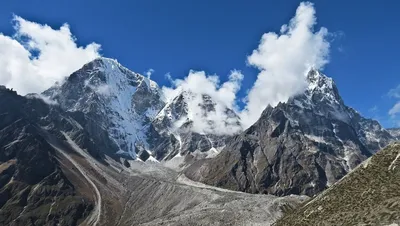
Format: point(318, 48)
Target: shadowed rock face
point(33, 187)
point(299, 147)
point(369, 195)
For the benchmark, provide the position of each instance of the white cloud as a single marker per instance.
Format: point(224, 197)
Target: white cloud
point(395, 92)
point(395, 110)
point(283, 60)
point(45, 99)
point(37, 56)
point(195, 86)
point(149, 72)
point(104, 90)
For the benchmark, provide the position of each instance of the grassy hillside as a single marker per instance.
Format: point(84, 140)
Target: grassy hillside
point(369, 195)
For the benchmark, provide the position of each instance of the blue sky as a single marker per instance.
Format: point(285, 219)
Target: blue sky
point(216, 36)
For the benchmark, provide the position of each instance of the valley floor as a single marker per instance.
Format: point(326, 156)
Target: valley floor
point(150, 194)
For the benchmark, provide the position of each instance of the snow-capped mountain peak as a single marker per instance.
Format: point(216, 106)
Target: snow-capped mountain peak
point(187, 107)
point(322, 87)
point(315, 79)
point(176, 131)
point(302, 146)
point(121, 100)
point(135, 113)
point(322, 97)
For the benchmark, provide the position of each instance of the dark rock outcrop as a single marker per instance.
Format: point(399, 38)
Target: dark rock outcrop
point(34, 189)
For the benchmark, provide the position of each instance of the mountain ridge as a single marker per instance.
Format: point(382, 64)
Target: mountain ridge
point(299, 147)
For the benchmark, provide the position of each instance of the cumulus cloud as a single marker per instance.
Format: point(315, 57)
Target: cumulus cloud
point(37, 56)
point(198, 88)
point(284, 60)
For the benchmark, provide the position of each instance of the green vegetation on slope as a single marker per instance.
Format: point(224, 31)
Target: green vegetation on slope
point(369, 195)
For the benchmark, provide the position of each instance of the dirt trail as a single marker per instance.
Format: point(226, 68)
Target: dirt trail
point(94, 217)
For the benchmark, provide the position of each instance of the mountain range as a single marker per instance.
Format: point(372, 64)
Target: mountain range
point(302, 146)
point(134, 112)
point(106, 147)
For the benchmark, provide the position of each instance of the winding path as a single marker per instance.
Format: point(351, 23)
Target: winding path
point(94, 217)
